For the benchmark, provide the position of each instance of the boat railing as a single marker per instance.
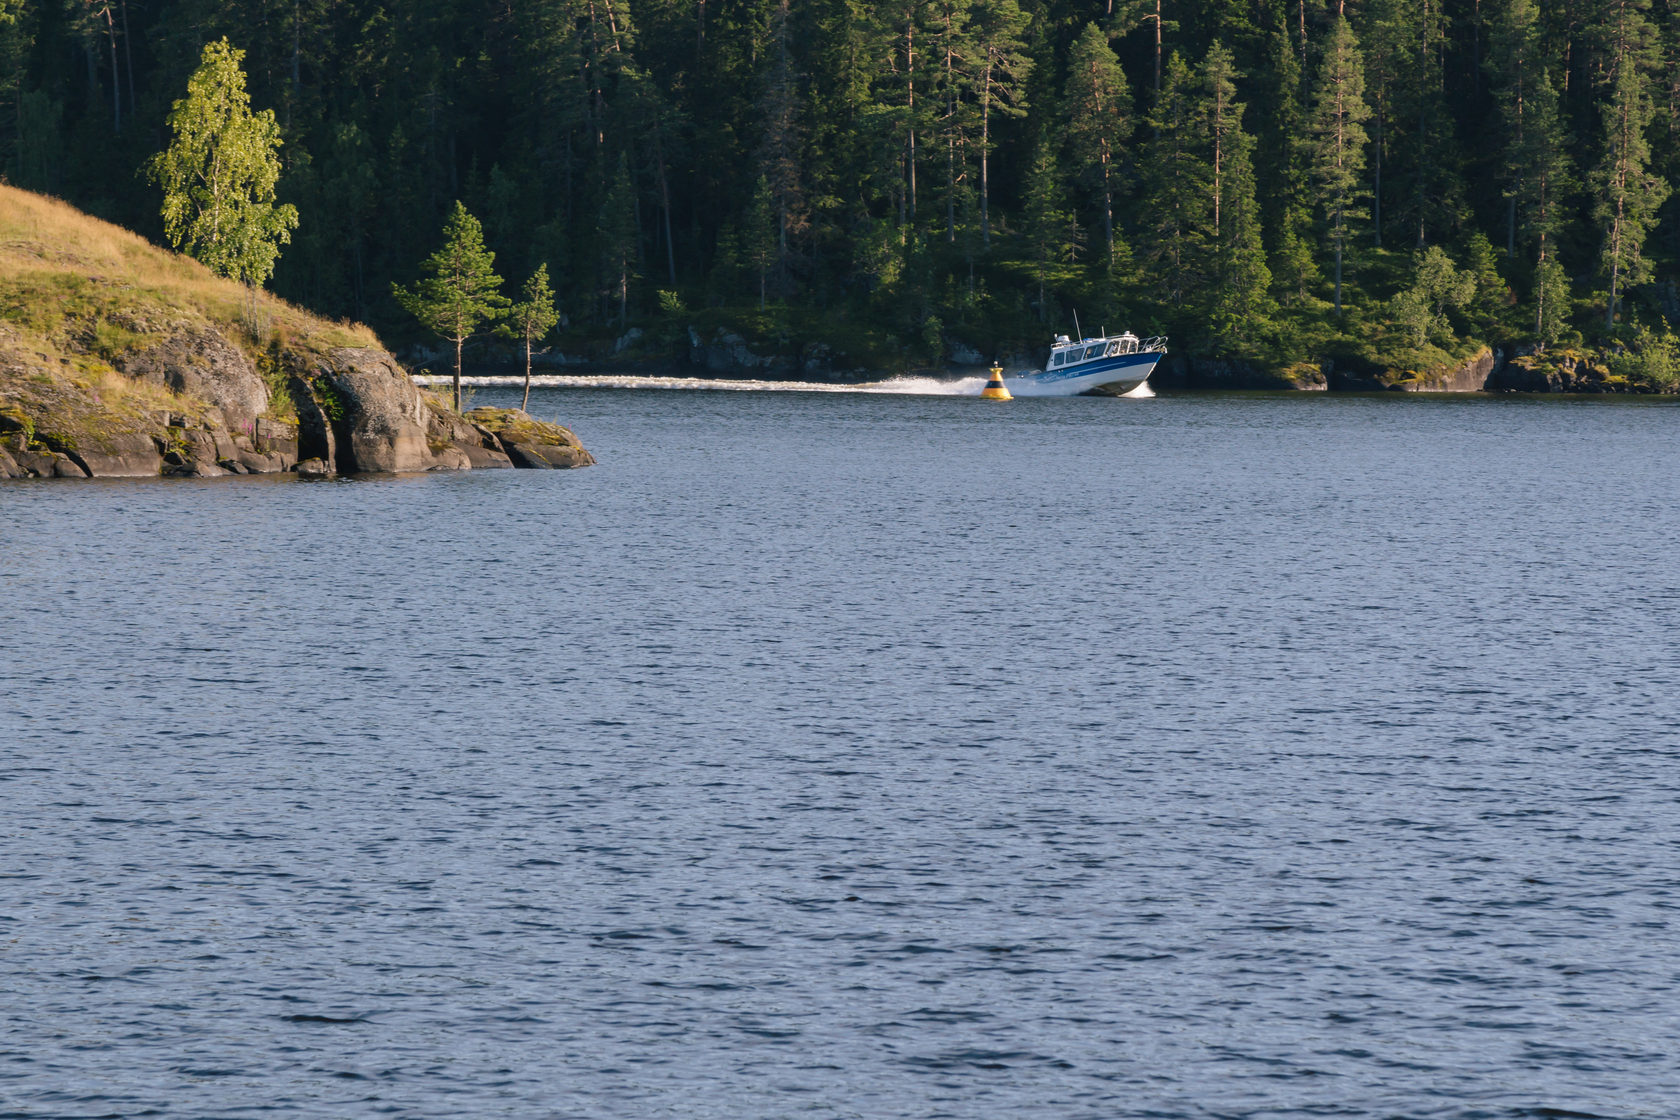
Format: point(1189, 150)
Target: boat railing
point(1159, 342)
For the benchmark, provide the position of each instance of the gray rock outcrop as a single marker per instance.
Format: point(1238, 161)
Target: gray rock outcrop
point(197, 361)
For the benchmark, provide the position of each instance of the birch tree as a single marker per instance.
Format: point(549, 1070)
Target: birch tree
point(219, 172)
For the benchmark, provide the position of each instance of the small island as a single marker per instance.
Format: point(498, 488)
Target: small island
point(119, 359)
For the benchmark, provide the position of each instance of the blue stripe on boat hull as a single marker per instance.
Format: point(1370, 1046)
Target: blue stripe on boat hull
point(1119, 374)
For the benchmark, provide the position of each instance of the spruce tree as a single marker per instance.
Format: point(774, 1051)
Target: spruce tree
point(1285, 174)
point(779, 151)
point(1177, 198)
point(1626, 194)
point(1545, 183)
point(954, 57)
point(1002, 66)
point(1098, 106)
point(1383, 30)
point(1240, 277)
point(616, 226)
point(759, 239)
point(1426, 155)
point(1046, 222)
point(1514, 64)
point(459, 289)
point(1551, 303)
point(1337, 136)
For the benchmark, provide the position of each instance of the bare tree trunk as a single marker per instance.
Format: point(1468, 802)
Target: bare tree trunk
point(910, 106)
point(1338, 268)
point(1376, 186)
point(665, 206)
point(985, 156)
point(1158, 48)
point(116, 75)
point(525, 401)
point(458, 340)
point(292, 88)
point(128, 57)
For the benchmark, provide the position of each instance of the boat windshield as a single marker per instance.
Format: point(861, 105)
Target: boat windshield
point(1065, 353)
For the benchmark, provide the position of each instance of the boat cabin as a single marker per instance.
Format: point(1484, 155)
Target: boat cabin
point(1064, 352)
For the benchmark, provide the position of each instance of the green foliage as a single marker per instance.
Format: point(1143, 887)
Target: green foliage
point(1438, 287)
point(1099, 110)
point(1241, 285)
point(219, 173)
point(1492, 295)
point(530, 319)
point(1650, 360)
point(331, 403)
point(459, 289)
point(933, 338)
point(1047, 224)
point(1626, 193)
point(851, 169)
point(1177, 192)
point(1337, 140)
point(1551, 303)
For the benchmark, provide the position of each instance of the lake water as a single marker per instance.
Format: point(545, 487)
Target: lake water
point(829, 755)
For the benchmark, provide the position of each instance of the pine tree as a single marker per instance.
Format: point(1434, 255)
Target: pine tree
point(459, 289)
point(1626, 194)
point(1426, 151)
point(616, 226)
point(759, 239)
point(1514, 64)
point(530, 320)
point(1001, 71)
point(1388, 50)
point(954, 56)
point(1046, 221)
point(1545, 184)
point(219, 172)
point(1551, 303)
point(1177, 194)
point(1492, 294)
point(1337, 136)
point(1240, 276)
point(1285, 176)
point(779, 151)
point(1098, 104)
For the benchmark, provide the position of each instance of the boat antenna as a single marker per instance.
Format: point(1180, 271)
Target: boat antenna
point(1076, 332)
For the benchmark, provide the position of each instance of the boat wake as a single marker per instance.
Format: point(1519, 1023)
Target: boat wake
point(900, 386)
point(909, 386)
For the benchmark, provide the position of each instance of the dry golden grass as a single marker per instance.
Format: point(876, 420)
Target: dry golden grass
point(46, 244)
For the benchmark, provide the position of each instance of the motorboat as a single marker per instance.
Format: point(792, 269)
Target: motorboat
point(1108, 365)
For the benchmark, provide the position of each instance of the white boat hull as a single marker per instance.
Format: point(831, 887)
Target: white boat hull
point(1110, 376)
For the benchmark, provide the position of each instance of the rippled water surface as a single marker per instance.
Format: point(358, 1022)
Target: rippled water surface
point(861, 756)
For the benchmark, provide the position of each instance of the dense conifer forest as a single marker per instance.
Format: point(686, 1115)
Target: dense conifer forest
point(1395, 183)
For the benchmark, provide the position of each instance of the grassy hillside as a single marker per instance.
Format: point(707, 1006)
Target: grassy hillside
point(79, 297)
point(88, 289)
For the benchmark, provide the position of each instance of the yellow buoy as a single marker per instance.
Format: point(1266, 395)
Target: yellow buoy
point(994, 390)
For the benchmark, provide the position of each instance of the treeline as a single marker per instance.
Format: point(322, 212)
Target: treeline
point(1396, 181)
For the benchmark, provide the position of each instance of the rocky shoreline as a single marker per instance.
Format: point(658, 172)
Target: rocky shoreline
point(121, 360)
point(352, 411)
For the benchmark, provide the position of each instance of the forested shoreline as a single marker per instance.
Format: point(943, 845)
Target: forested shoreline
point(1392, 185)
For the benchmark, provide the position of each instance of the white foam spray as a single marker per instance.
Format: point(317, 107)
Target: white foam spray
point(905, 386)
